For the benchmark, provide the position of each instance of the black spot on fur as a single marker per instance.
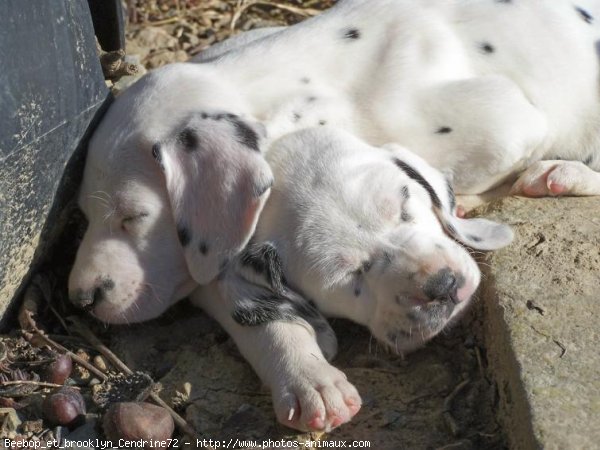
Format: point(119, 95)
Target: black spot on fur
point(107, 284)
point(244, 133)
point(203, 248)
point(296, 117)
point(366, 266)
point(156, 153)
point(474, 238)
point(260, 310)
point(184, 235)
point(486, 47)
point(405, 217)
point(264, 260)
point(189, 139)
point(269, 307)
point(584, 14)
point(416, 176)
point(322, 122)
point(444, 130)
point(450, 229)
point(587, 161)
point(352, 33)
point(503, 1)
point(311, 99)
point(357, 292)
point(405, 192)
point(225, 116)
point(386, 260)
point(451, 195)
point(305, 80)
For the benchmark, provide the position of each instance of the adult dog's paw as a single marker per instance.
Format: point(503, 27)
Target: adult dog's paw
point(317, 397)
point(555, 178)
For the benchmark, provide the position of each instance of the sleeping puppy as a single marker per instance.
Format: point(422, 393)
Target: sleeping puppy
point(369, 234)
point(362, 233)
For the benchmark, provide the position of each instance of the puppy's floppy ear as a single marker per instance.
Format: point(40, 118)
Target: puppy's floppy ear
point(217, 182)
point(480, 234)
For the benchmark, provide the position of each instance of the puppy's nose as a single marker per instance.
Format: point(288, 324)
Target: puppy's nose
point(86, 300)
point(443, 286)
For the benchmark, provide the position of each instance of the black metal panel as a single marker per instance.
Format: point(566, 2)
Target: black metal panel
point(51, 87)
point(109, 24)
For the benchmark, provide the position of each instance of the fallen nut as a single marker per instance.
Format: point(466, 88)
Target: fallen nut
point(59, 370)
point(64, 406)
point(133, 421)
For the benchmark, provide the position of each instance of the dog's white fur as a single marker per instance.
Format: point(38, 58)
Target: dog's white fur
point(481, 89)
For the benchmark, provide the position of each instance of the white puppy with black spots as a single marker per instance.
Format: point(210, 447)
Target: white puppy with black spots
point(176, 177)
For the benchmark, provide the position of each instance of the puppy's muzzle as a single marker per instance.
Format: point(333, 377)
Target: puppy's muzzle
point(443, 287)
point(88, 299)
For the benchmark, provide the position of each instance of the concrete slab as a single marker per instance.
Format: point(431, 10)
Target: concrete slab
point(542, 306)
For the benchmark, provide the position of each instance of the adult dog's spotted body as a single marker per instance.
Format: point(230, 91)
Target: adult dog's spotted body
point(180, 170)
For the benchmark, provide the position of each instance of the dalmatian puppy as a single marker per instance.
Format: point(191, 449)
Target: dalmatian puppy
point(176, 177)
point(368, 234)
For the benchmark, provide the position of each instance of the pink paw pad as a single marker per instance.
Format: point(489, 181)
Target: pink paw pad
point(317, 423)
point(557, 189)
point(336, 422)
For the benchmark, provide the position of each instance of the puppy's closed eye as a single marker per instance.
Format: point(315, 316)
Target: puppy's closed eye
point(132, 219)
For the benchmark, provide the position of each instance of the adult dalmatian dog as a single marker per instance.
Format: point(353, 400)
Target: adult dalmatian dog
point(181, 168)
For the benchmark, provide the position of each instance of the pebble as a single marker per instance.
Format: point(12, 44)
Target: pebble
point(100, 363)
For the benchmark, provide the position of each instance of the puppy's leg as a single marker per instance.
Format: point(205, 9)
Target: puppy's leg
point(287, 352)
point(554, 178)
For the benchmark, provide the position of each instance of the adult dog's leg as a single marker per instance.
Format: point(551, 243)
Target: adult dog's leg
point(554, 178)
point(288, 352)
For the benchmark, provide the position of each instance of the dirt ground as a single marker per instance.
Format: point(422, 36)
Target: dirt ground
point(437, 398)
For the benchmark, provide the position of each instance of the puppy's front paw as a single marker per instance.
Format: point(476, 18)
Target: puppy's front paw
point(318, 397)
point(554, 178)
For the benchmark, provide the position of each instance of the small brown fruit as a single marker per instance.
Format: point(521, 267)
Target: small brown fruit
point(132, 421)
point(64, 406)
point(59, 370)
